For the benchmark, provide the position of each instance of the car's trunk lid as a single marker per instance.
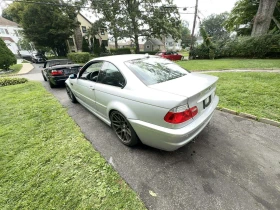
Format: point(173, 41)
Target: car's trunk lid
point(199, 89)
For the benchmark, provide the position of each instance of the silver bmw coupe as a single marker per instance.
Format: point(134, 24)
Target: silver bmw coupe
point(145, 98)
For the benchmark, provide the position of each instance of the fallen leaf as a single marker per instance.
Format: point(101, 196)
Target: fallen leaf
point(152, 193)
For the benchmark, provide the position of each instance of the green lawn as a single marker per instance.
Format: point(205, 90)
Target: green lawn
point(16, 68)
point(221, 64)
point(46, 162)
point(250, 92)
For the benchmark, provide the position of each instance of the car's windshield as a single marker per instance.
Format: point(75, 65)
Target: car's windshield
point(155, 70)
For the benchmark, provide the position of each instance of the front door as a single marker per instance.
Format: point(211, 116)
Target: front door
point(85, 84)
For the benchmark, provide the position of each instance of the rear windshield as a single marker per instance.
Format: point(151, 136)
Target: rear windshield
point(155, 70)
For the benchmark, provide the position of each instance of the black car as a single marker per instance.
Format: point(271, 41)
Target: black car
point(38, 58)
point(58, 70)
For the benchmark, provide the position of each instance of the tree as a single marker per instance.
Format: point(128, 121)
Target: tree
point(213, 25)
point(150, 18)
point(207, 42)
point(46, 24)
point(263, 17)
point(85, 46)
point(113, 18)
point(7, 58)
point(185, 34)
point(96, 46)
point(242, 16)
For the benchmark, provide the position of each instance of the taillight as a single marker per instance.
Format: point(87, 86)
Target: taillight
point(56, 72)
point(180, 114)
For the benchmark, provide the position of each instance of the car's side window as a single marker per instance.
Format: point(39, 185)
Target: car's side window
point(110, 75)
point(91, 72)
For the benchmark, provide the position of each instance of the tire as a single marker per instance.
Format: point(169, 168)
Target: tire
point(123, 129)
point(44, 76)
point(182, 58)
point(71, 95)
point(51, 84)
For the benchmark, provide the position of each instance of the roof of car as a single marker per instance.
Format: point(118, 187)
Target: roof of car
point(123, 58)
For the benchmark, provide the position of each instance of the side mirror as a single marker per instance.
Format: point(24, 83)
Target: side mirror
point(72, 76)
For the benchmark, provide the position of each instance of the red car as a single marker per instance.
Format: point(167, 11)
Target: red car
point(174, 56)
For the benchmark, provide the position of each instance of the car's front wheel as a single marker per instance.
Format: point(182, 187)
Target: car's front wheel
point(71, 95)
point(123, 129)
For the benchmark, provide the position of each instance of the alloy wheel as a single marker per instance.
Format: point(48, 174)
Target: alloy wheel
point(121, 127)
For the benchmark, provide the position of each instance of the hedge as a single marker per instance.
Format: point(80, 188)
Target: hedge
point(265, 46)
point(5, 81)
point(79, 57)
point(120, 51)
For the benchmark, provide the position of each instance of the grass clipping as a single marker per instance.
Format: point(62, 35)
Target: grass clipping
point(45, 161)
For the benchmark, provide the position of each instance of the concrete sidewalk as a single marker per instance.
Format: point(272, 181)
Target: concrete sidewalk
point(26, 67)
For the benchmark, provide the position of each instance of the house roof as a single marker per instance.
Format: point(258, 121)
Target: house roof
point(155, 41)
point(6, 22)
point(7, 39)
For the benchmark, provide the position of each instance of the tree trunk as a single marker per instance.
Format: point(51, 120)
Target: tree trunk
point(263, 17)
point(136, 44)
point(116, 42)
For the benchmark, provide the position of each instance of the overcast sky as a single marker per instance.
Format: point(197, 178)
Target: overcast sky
point(205, 7)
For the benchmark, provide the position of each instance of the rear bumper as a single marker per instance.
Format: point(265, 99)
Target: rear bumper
point(172, 139)
point(58, 80)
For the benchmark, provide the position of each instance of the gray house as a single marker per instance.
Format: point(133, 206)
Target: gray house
point(153, 44)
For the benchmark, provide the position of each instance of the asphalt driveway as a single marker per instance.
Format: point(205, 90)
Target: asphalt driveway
point(233, 164)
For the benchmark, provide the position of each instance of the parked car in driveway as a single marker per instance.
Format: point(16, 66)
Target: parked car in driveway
point(56, 71)
point(173, 56)
point(38, 58)
point(145, 98)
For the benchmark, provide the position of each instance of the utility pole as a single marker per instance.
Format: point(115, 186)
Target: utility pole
point(194, 23)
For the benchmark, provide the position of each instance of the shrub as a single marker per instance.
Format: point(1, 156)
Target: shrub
point(85, 45)
point(7, 58)
point(5, 81)
point(120, 51)
point(79, 57)
point(244, 47)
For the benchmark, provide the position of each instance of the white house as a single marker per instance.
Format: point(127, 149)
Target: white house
point(10, 34)
point(172, 45)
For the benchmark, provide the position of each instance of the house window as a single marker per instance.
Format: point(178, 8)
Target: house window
point(166, 43)
point(2, 31)
point(170, 43)
point(84, 29)
point(148, 46)
point(105, 42)
point(7, 32)
point(102, 31)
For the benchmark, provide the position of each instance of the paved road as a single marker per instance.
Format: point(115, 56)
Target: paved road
point(234, 163)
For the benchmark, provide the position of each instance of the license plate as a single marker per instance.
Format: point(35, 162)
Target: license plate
point(206, 102)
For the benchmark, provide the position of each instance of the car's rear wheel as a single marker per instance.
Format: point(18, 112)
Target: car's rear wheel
point(70, 94)
point(123, 129)
point(51, 84)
